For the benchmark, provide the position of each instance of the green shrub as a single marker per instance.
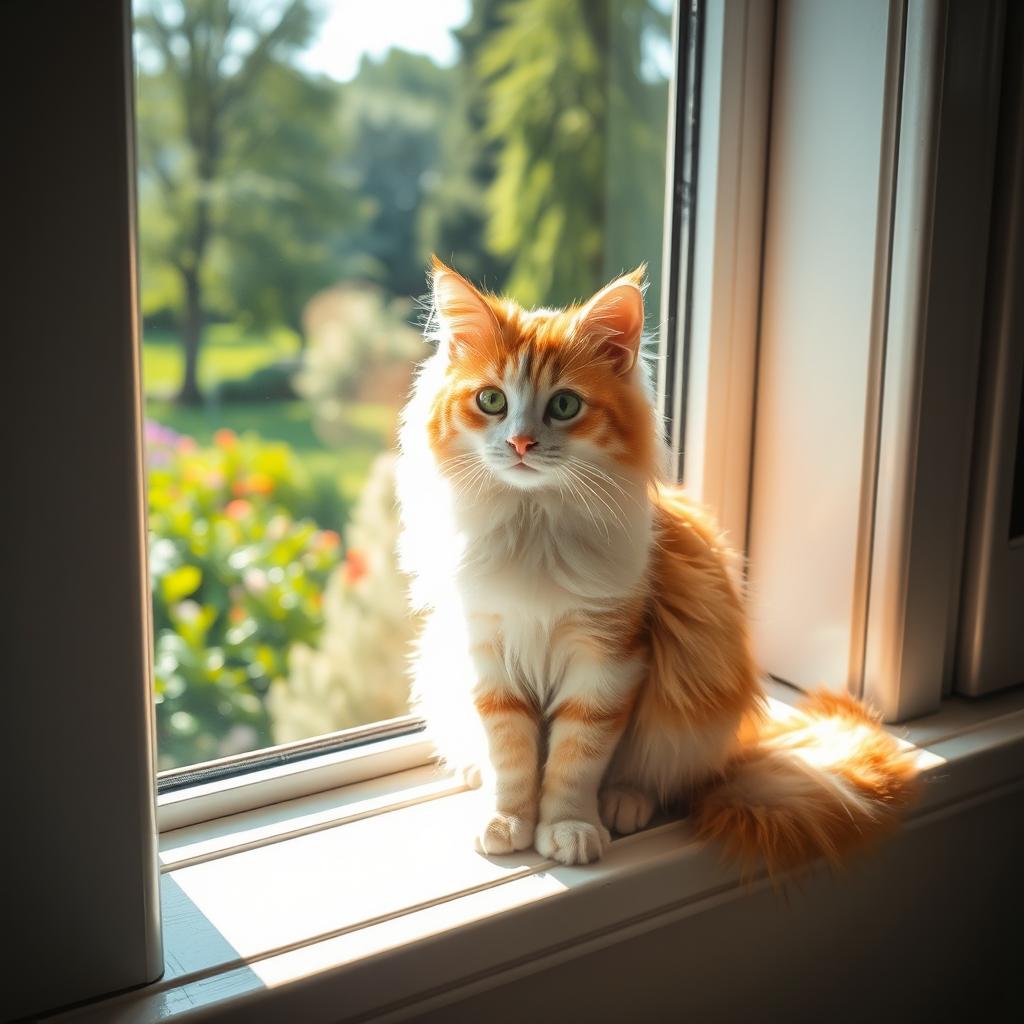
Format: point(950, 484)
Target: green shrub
point(238, 569)
point(271, 383)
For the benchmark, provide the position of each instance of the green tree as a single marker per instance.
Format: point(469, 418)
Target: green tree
point(395, 111)
point(578, 111)
point(454, 215)
point(238, 166)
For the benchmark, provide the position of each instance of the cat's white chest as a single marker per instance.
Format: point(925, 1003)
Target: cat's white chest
point(529, 576)
point(528, 568)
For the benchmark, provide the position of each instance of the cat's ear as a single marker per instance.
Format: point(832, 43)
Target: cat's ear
point(464, 319)
point(613, 321)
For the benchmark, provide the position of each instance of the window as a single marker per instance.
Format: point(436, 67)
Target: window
point(297, 166)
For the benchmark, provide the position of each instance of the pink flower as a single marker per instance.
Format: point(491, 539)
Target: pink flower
point(238, 509)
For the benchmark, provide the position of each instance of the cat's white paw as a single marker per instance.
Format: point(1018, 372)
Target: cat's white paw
point(626, 810)
point(572, 842)
point(504, 833)
point(472, 777)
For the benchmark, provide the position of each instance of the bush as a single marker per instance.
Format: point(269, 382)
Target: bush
point(238, 569)
point(358, 673)
point(272, 383)
point(360, 345)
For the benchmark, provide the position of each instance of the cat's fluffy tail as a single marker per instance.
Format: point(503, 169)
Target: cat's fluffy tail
point(818, 785)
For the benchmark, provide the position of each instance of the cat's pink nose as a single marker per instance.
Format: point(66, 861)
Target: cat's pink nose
point(522, 443)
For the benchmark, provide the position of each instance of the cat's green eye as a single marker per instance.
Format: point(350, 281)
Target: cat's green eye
point(564, 405)
point(491, 401)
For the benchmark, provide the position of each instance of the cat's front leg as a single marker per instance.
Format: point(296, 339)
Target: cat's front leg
point(586, 724)
point(512, 727)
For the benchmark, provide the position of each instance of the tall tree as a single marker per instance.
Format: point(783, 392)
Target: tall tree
point(220, 160)
point(567, 80)
point(395, 111)
point(453, 217)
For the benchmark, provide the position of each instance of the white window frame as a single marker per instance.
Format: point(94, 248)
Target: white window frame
point(872, 606)
point(722, 360)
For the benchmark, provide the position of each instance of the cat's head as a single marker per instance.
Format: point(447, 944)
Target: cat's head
point(540, 399)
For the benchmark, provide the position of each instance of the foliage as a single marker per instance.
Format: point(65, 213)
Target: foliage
point(238, 166)
point(359, 671)
point(272, 382)
point(394, 112)
point(237, 569)
point(453, 218)
point(556, 89)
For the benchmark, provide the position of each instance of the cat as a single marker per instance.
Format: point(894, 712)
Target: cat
point(585, 642)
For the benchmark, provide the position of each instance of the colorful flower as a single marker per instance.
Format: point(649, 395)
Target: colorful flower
point(226, 439)
point(238, 509)
point(355, 566)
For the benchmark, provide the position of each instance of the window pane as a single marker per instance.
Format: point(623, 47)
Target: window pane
point(298, 163)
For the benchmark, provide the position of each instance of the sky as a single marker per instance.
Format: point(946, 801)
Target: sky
point(354, 27)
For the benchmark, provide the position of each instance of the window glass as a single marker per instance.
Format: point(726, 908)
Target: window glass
point(298, 162)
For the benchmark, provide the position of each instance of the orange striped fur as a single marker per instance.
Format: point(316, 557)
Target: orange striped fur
point(586, 641)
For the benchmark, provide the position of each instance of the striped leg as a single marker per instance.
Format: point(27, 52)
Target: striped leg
point(513, 735)
point(584, 732)
point(512, 728)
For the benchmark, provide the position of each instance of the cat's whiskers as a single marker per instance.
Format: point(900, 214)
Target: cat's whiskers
point(469, 485)
point(455, 461)
point(464, 473)
point(592, 488)
point(575, 483)
point(607, 477)
point(597, 480)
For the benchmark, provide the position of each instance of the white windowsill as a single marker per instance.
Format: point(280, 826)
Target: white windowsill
point(368, 899)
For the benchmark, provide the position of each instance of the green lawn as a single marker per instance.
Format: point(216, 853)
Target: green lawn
point(228, 354)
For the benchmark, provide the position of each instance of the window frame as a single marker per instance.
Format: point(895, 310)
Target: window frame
point(934, 127)
point(712, 426)
point(81, 843)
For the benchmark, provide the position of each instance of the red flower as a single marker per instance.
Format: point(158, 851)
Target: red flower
point(355, 566)
point(226, 439)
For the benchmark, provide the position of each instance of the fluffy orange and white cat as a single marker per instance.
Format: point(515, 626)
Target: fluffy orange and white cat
point(585, 642)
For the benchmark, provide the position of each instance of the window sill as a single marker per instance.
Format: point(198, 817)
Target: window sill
point(368, 899)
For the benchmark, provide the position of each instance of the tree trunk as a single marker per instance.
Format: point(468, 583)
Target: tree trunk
point(191, 336)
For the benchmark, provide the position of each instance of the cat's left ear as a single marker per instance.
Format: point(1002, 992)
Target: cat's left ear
point(613, 320)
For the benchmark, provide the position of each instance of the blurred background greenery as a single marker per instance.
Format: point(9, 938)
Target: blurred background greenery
point(287, 211)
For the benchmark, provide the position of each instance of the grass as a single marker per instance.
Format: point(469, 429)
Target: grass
point(227, 353)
